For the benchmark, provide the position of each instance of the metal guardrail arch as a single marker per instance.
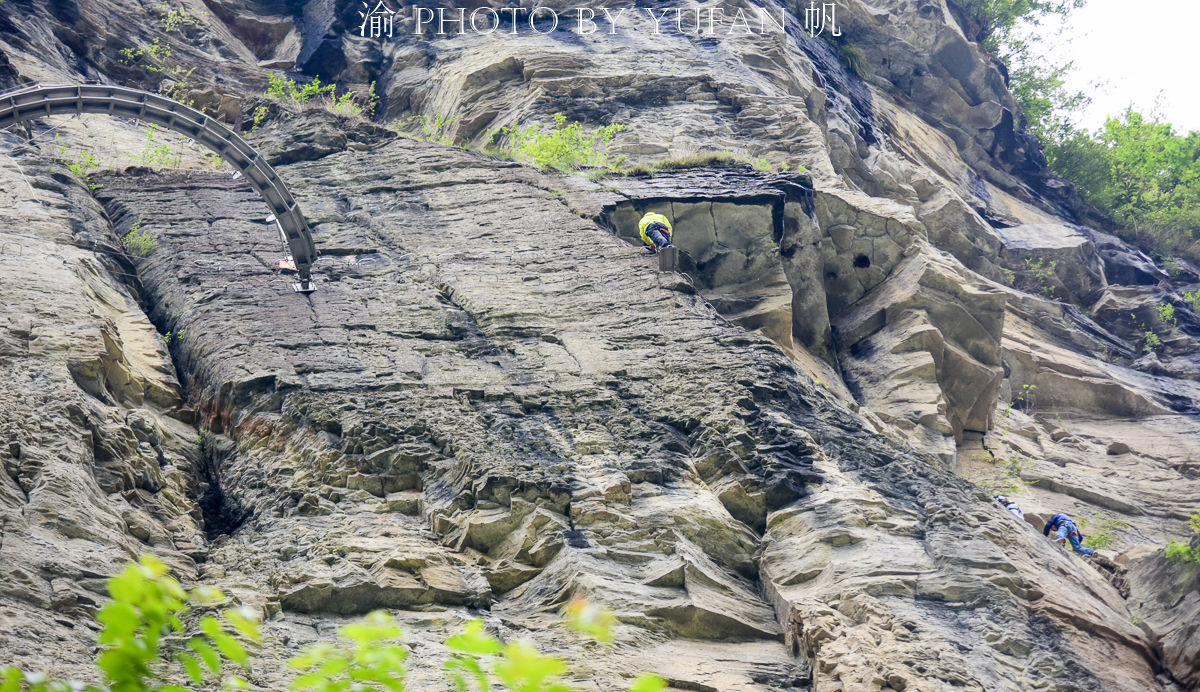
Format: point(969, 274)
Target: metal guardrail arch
point(39, 101)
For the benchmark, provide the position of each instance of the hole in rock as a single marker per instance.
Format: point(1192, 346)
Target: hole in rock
point(862, 261)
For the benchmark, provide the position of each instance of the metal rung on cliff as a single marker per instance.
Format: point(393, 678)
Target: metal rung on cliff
point(39, 101)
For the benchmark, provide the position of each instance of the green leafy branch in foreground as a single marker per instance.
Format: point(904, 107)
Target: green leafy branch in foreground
point(373, 658)
point(144, 629)
point(153, 625)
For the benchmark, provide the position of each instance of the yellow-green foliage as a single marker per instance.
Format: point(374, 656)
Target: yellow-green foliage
point(143, 630)
point(156, 153)
point(1166, 313)
point(300, 93)
point(83, 164)
point(1103, 535)
point(1141, 172)
point(152, 57)
point(181, 88)
point(1183, 552)
point(371, 651)
point(139, 241)
point(351, 104)
point(565, 146)
point(430, 128)
point(289, 91)
point(172, 19)
point(1193, 297)
point(260, 116)
point(143, 633)
point(1042, 275)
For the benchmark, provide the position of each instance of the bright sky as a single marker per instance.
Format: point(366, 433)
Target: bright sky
point(1133, 51)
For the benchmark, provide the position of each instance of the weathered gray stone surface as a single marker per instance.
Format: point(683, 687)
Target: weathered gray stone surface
point(1166, 599)
point(494, 402)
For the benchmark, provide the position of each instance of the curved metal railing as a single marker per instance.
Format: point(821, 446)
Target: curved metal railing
point(40, 100)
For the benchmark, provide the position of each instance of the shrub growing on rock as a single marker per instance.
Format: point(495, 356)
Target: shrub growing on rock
point(1184, 552)
point(999, 17)
point(1103, 535)
point(138, 241)
point(430, 128)
point(564, 146)
point(348, 103)
point(290, 91)
point(1193, 297)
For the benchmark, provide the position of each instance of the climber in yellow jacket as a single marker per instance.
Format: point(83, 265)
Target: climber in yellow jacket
point(655, 230)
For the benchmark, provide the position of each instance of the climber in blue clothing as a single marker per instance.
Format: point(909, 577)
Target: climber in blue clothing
point(1066, 531)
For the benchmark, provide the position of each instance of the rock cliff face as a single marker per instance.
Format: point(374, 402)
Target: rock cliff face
point(766, 466)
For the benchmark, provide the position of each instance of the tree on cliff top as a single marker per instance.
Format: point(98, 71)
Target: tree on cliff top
point(997, 19)
point(1143, 174)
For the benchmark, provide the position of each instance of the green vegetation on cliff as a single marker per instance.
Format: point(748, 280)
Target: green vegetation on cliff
point(138, 241)
point(1183, 552)
point(349, 103)
point(1143, 174)
point(565, 146)
point(1136, 170)
point(998, 19)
